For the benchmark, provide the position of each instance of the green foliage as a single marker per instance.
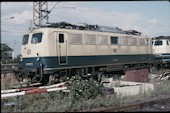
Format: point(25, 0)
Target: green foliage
point(8, 60)
point(84, 95)
point(6, 55)
point(15, 60)
point(98, 102)
point(84, 90)
point(162, 88)
point(4, 47)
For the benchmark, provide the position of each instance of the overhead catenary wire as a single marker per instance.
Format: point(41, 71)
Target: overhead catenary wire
point(90, 11)
point(9, 36)
point(11, 24)
point(53, 7)
point(16, 8)
point(146, 11)
point(12, 31)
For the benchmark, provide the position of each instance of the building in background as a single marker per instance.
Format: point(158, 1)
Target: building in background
point(7, 53)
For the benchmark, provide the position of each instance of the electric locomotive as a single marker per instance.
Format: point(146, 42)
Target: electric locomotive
point(63, 50)
point(161, 51)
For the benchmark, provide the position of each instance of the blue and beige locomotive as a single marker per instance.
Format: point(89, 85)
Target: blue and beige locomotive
point(63, 50)
point(161, 51)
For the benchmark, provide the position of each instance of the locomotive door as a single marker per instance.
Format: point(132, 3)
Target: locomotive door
point(62, 48)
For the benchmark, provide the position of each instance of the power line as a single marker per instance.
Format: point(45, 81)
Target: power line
point(27, 20)
point(146, 11)
point(53, 7)
point(90, 11)
point(9, 36)
point(12, 31)
point(7, 24)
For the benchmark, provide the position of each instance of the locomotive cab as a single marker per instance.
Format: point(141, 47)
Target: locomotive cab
point(42, 50)
point(31, 64)
point(161, 50)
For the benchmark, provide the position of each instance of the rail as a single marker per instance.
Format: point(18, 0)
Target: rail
point(133, 106)
point(8, 67)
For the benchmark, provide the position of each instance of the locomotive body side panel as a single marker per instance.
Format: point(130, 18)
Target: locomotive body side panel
point(59, 49)
point(161, 50)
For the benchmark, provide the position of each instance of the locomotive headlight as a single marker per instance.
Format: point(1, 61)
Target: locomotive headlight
point(159, 55)
point(21, 59)
point(38, 58)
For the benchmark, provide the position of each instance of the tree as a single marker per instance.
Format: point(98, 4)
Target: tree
point(16, 59)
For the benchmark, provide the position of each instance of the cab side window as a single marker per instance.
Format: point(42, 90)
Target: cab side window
point(61, 38)
point(36, 38)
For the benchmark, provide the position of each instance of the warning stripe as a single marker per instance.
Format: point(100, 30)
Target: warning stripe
point(32, 88)
point(35, 91)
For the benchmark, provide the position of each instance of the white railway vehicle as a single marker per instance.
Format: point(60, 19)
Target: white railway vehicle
point(80, 51)
point(161, 50)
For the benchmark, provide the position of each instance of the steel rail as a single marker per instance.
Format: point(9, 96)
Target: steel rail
point(132, 106)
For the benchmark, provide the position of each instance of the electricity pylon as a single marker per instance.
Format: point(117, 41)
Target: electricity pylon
point(40, 13)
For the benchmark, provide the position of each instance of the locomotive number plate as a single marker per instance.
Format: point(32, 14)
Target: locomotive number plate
point(29, 64)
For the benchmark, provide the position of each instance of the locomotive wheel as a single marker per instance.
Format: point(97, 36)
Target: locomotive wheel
point(19, 76)
point(36, 78)
point(45, 80)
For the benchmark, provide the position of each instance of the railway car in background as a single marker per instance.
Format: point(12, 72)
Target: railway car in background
point(63, 50)
point(161, 51)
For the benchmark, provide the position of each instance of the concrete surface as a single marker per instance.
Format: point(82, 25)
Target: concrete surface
point(127, 88)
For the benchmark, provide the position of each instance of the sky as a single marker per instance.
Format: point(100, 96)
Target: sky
point(152, 18)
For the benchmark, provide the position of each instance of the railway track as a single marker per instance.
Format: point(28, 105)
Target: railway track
point(6, 68)
point(41, 89)
point(128, 107)
point(137, 106)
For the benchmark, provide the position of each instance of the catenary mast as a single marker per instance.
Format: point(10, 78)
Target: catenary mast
point(40, 14)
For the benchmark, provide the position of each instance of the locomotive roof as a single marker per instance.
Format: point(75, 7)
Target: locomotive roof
point(162, 37)
point(88, 27)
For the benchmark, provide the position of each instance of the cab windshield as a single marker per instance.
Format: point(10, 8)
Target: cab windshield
point(158, 43)
point(25, 39)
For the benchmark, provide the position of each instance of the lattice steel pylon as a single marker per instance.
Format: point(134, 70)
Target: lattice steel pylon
point(40, 13)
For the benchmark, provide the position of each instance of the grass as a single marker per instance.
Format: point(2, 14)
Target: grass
point(84, 95)
point(7, 81)
point(162, 88)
